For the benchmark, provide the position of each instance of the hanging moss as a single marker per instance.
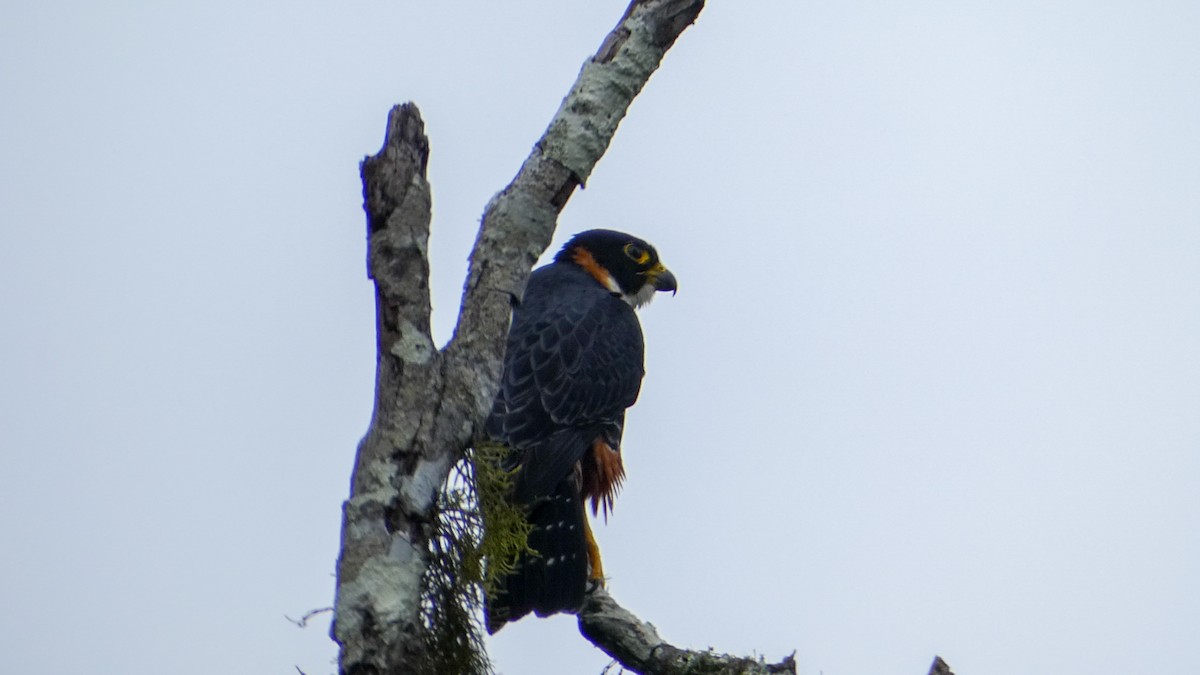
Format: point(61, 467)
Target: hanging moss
point(479, 535)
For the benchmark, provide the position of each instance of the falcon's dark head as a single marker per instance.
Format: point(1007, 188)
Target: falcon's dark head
point(621, 262)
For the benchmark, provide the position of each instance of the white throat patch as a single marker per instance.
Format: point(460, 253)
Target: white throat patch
point(643, 297)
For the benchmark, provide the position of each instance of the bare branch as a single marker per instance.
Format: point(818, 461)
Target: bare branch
point(637, 647)
point(635, 644)
point(400, 463)
point(520, 220)
point(302, 622)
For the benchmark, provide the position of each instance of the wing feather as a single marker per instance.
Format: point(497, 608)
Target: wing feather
point(572, 366)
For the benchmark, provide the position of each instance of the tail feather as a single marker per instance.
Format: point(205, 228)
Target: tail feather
point(555, 579)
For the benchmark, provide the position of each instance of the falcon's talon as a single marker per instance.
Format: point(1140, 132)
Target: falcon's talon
point(573, 365)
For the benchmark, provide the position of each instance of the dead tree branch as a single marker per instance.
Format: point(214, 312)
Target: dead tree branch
point(429, 402)
point(635, 644)
point(939, 667)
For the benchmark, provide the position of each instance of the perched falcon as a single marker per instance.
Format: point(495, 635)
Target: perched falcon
point(572, 366)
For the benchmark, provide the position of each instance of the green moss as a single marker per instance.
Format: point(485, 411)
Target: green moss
point(478, 537)
point(506, 535)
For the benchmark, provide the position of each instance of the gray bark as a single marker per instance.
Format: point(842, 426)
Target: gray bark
point(635, 644)
point(939, 667)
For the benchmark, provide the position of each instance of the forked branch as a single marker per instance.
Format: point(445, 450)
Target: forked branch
point(429, 402)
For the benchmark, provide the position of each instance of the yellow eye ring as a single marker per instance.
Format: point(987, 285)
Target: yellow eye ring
point(637, 254)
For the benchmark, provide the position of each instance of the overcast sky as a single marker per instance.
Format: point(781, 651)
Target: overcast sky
point(931, 383)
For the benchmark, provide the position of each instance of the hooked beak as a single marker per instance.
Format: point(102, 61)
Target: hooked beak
point(665, 281)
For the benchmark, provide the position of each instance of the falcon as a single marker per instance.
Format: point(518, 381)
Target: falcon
point(573, 364)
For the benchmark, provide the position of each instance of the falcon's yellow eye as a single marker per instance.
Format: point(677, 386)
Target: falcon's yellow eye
point(637, 254)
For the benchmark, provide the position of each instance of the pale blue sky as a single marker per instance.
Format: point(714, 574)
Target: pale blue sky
point(931, 383)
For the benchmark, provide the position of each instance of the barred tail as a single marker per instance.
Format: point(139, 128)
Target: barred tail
point(554, 580)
